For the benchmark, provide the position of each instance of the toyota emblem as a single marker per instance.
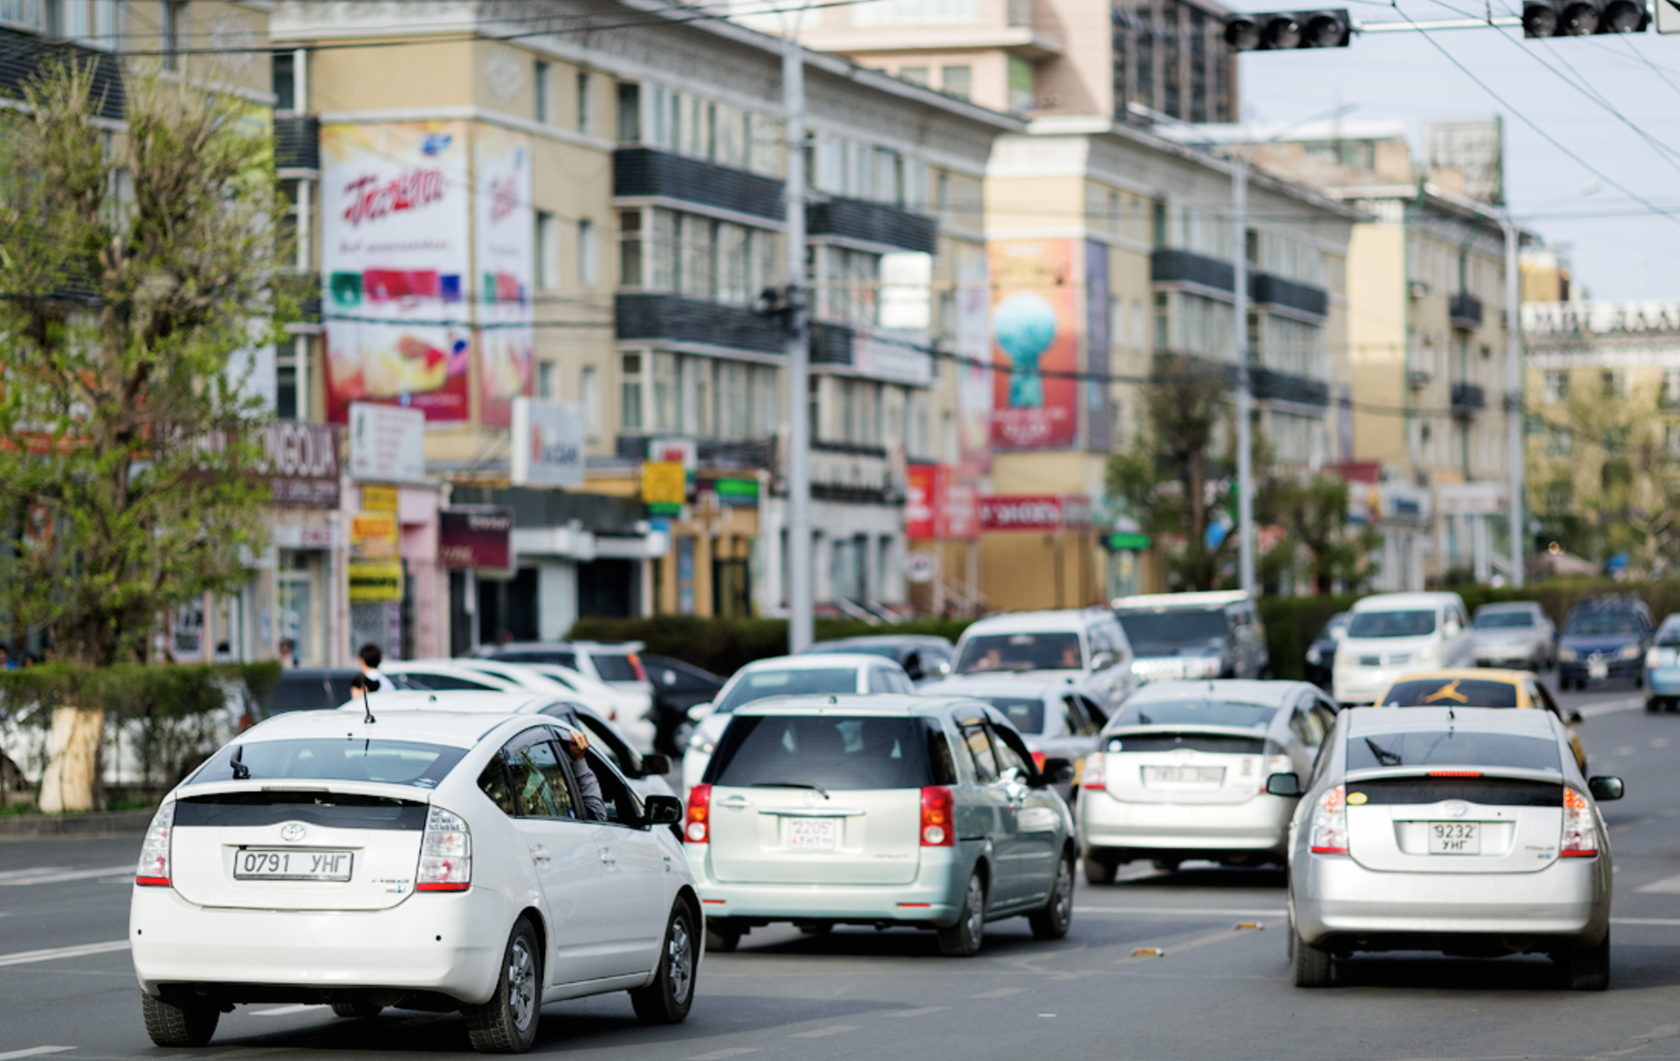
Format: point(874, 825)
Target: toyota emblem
point(292, 832)
point(1456, 808)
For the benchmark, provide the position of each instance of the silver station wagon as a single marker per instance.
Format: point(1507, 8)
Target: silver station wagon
point(880, 810)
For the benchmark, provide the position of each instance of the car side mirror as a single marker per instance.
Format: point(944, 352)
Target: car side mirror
point(1605, 789)
point(1055, 771)
point(1287, 785)
point(655, 765)
point(662, 810)
point(1102, 661)
point(699, 711)
point(1338, 633)
point(1575, 718)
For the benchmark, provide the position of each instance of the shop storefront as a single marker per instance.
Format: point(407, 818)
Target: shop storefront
point(1039, 551)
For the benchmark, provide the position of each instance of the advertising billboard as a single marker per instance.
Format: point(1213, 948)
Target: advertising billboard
point(504, 237)
point(394, 251)
point(1036, 345)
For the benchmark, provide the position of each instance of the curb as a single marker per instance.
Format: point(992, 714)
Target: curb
point(96, 824)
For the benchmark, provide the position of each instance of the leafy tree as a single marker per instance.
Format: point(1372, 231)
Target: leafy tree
point(1313, 514)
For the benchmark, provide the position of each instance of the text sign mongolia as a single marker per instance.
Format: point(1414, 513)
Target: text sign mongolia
point(301, 462)
point(387, 443)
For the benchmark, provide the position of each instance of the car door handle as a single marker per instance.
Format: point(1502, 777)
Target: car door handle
point(539, 854)
point(735, 802)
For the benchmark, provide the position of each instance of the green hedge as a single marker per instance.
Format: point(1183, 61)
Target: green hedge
point(132, 690)
point(723, 646)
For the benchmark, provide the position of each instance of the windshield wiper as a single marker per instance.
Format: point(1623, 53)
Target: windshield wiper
point(1384, 756)
point(790, 784)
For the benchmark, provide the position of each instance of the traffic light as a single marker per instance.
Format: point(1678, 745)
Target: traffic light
point(1264, 31)
point(1578, 18)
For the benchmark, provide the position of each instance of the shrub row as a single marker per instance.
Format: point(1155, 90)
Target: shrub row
point(133, 690)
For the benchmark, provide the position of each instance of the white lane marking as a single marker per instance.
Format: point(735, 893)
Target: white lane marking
point(286, 1011)
point(33, 871)
point(52, 877)
point(54, 953)
point(832, 1029)
point(1163, 911)
point(719, 1055)
point(1666, 886)
point(1659, 742)
point(34, 1051)
point(1610, 707)
point(1626, 749)
point(924, 1011)
point(1002, 992)
point(1671, 921)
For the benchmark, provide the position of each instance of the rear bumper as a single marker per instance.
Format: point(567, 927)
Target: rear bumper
point(1342, 905)
point(1500, 655)
point(449, 943)
point(1664, 681)
point(934, 896)
point(1260, 823)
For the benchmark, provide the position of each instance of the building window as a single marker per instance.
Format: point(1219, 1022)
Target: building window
point(957, 81)
point(1560, 442)
point(285, 81)
point(585, 104)
point(1163, 320)
point(1614, 384)
point(548, 381)
point(542, 87)
point(629, 112)
point(1671, 387)
point(286, 380)
point(630, 249)
point(1557, 387)
point(588, 254)
point(589, 396)
point(173, 24)
point(1158, 224)
point(666, 407)
point(916, 75)
point(548, 251)
point(630, 395)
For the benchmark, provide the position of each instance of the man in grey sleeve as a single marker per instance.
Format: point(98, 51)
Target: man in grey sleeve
point(589, 786)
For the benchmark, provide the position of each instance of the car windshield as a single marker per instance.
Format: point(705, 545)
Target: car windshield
point(760, 684)
point(615, 668)
point(309, 692)
point(1451, 692)
point(821, 752)
point(1504, 620)
point(1392, 624)
point(393, 762)
point(1669, 634)
point(1171, 628)
point(1020, 652)
point(1195, 713)
point(1603, 622)
point(1452, 748)
point(1025, 713)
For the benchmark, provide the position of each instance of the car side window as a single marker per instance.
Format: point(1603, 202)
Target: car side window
point(1305, 725)
point(493, 782)
point(623, 808)
point(1010, 757)
point(979, 747)
point(943, 765)
point(439, 683)
point(539, 781)
point(1543, 696)
point(1094, 712)
point(1073, 718)
point(1326, 714)
point(606, 742)
point(900, 683)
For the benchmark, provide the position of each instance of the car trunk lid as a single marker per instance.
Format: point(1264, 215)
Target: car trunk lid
point(793, 836)
point(1454, 821)
point(1197, 765)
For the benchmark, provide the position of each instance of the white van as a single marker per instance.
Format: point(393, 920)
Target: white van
point(1086, 643)
point(1392, 634)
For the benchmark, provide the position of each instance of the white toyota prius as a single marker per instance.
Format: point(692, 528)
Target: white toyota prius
point(415, 860)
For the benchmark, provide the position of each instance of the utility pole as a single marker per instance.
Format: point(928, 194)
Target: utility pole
point(800, 571)
point(1245, 395)
point(1514, 394)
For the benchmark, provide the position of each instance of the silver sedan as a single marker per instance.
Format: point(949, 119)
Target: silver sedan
point(1468, 831)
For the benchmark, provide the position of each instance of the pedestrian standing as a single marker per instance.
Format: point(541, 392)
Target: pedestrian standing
point(371, 658)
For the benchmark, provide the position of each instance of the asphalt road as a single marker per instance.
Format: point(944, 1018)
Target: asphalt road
point(1218, 988)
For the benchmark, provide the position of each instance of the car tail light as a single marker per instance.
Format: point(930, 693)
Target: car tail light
point(938, 830)
point(698, 829)
point(445, 854)
point(1580, 832)
point(1659, 657)
point(1330, 827)
point(636, 662)
point(1038, 761)
point(1096, 771)
point(153, 870)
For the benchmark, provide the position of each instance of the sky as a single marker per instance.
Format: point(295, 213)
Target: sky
point(1584, 92)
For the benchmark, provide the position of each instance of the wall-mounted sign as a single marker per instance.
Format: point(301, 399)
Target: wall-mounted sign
point(376, 581)
point(379, 498)
point(387, 443)
point(301, 462)
point(732, 493)
point(664, 487)
point(920, 567)
point(547, 443)
point(373, 535)
point(1034, 512)
point(304, 536)
point(1128, 542)
point(476, 536)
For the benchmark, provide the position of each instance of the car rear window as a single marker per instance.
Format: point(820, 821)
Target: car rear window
point(1026, 714)
point(615, 668)
point(763, 684)
point(1451, 692)
point(1511, 620)
point(1020, 652)
point(1195, 713)
point(1452, 748)
point(341, 810)
point(393, 762)
point(1392, 624)
point(1212, 743)
point(828, 751)
point(556, 659)
point(1604, 622)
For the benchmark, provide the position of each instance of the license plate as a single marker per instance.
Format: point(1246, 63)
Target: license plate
point(1455, 838)
point(1183, 775)
point(813, 834)
point(254, 864)
point(1598, 669)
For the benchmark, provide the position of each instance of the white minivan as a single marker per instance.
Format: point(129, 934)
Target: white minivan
point(1392, 634)
point(1087, 645)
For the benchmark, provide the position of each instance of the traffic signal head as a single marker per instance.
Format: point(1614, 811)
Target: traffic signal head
point(1578, 18)
point(1277, 30)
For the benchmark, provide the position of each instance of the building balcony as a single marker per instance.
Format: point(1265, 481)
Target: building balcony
point(1172, 266)
point(877, 223)
point(1468, 399)
point(1270, 384)
point(1268, 290)
point(657, 317)
point(646, 172)
point(297, 142)
point(1464, 310)
point(853, 472)
point(23, 57)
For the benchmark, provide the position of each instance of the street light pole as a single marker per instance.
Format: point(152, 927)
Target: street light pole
point(799, 589)
point(1514, 393)
point(1245, 394)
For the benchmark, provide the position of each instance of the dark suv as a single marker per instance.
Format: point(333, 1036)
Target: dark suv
point(1604, 638)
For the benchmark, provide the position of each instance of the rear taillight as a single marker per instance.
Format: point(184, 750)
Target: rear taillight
point(445, 854)
point(1329, 827)
point(1096, 770)
point(1580, 831)
point(938, 830)
point(636, 662)
point(1455, 773)
point(153, 870)
point(698, 829)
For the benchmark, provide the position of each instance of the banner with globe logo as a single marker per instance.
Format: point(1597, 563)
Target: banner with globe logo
point(1035, 345)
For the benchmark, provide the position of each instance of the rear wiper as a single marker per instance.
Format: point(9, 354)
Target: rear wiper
point(1384, 756)
point(790, 784)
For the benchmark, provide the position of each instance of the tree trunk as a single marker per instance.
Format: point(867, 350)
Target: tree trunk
point(71, 780)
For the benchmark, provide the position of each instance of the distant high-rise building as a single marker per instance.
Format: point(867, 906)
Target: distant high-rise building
point(1170, 58)
point(1476, 150)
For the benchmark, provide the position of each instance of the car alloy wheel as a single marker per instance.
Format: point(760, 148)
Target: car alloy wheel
point(1056, 916)
point(963, 939)
point(522, 984)
point(667, 997)
point(507, 1023)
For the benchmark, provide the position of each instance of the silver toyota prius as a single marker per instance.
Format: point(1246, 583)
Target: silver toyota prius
point(1463, 830)
point(879, 810)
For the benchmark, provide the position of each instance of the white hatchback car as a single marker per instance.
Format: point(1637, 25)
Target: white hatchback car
point(408, 859)
point(785, 676)
point(1392, 634)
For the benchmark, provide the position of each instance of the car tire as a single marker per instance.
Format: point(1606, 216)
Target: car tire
point(1309, 966)
point(1587, 968)
point(1055, 917)
point(1099, 870)
point(1639, 681)
point(179, 1025)
point(667, 999)
point(1652, 705)
point(507, 1024)
point(722, 936)
point(357, 1010)
point(963, 939)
